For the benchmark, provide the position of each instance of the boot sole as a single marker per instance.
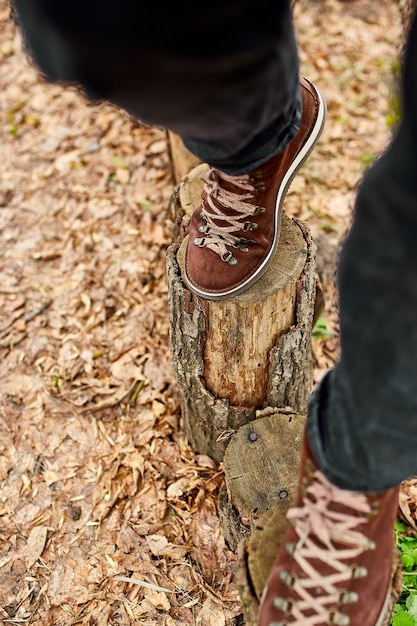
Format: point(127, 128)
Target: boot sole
point(282, 191)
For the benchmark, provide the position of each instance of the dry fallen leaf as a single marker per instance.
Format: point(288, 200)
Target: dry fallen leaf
point(35, 544)
point(95, 468)
point(408, 502)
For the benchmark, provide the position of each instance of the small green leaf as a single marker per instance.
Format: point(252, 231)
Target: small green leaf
point(411, 604)
point(399, 527)
point(119, 162)
point(403, 619)
point(413, 554)
point(367, 158)
point(320, 329)
point(408, 560)
point(410, 581)
point(136, 392)
point(144, 205)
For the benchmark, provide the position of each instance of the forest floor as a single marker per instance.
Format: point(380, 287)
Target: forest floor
point(97, 481)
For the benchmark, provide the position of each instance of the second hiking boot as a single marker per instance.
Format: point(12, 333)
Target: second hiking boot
point(337, 564)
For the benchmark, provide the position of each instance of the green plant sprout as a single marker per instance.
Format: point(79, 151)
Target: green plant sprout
point(405, 611)
point(320, 329)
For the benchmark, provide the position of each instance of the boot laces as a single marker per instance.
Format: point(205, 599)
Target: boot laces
point(220, 228)
point(328, 537)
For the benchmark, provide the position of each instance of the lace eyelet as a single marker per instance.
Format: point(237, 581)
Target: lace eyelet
point(283, 604)
point(229, 258)
point(348, 597)
point(288, 579)
point(248, 226)
point(239, 245)
point(358, 571)
point(339, 619)
point(290, 547)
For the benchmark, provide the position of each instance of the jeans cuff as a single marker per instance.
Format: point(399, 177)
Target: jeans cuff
point(264, 146)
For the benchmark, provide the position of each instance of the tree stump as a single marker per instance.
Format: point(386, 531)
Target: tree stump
point(182, 161)
point(234, 357)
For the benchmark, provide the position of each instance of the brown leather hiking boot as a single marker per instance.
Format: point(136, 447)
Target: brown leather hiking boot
point(234, 233)
point(336, 562)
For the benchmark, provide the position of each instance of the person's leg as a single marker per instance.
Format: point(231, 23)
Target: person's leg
point(226, 79)
point(363, 424)
point(335, 563)
point(223, 76)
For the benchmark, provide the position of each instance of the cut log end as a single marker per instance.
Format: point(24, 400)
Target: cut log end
point(261, 466)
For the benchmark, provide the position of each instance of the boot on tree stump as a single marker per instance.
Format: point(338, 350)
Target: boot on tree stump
point(234, 357)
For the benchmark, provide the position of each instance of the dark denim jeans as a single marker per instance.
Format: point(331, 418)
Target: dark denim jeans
point(225, 78)
point(363, 417)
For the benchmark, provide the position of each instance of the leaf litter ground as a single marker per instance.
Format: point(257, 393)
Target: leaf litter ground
point(98, 484)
